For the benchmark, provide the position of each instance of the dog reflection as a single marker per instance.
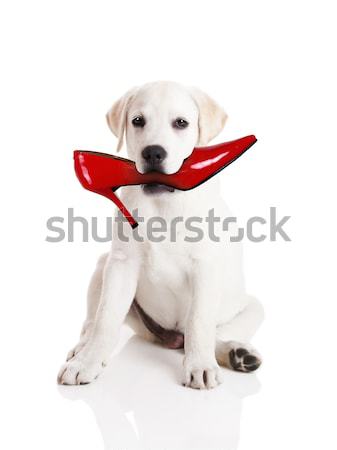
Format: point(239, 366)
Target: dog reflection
point(137, 406)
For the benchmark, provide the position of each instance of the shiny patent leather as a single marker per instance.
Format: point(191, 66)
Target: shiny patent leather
point(104, 174)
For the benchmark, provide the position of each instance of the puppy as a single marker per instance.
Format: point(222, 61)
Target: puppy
point(179, 293)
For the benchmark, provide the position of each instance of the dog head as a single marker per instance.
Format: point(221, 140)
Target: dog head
point(163, 122)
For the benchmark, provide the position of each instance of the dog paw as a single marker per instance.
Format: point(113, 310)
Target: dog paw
point(78, 371)
point(74, 351)
point(244, 358)
point(85, 333)
point(206, 375)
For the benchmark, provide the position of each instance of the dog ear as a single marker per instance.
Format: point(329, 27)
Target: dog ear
point(116, 116)
point(212, 117)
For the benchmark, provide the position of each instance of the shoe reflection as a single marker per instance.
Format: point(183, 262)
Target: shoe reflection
point(139, 403)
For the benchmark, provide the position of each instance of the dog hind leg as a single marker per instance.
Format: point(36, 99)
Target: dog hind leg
point(232, 348)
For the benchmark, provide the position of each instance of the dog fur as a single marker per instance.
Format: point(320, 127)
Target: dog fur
point(194, 288)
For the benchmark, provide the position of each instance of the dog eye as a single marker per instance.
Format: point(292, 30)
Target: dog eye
point(138, 121)
point(180, 123)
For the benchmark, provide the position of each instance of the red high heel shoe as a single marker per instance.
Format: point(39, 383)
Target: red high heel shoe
point(104, 174)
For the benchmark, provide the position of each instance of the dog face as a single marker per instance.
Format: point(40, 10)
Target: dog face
point(161, 128)
point(163, 122)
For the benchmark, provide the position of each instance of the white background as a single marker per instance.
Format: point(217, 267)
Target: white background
point(272, 65)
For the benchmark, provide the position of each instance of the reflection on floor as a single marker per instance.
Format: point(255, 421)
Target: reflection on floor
point(139, 403)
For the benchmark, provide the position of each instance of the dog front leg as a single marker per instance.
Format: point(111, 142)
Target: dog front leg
point(118, 290)
point(200, 365)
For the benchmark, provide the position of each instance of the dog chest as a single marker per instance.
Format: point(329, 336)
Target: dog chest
point(166, 263)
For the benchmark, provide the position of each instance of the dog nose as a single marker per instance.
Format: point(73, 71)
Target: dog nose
point(154, 155)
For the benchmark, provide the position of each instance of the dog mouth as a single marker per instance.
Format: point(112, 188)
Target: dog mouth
point(156, 188)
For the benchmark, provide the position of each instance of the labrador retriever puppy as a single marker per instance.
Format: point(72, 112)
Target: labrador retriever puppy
point(178, 291)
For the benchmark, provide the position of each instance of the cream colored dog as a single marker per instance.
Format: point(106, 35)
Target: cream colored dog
point(174, 291)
